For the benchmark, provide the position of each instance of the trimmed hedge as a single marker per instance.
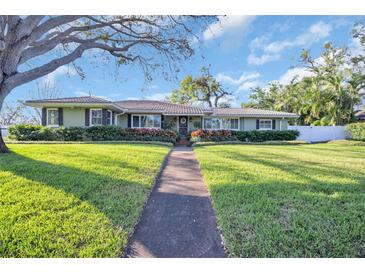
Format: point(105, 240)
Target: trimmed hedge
point(266, 135)
point(243, 136)
point(357, 131)
point(95, 133)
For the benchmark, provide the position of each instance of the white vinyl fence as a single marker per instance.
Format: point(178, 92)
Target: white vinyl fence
point(4, 131)
point(320, 133)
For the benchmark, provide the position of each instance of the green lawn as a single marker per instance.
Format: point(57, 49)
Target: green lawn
point(288, 201)
point(74, 200)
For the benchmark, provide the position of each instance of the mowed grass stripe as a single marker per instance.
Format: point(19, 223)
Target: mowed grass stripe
point(75, 200)
point(288, 201)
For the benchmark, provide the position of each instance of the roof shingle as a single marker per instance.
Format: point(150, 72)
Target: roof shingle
point(158, 106)
point(251, 112)
point(78, 100)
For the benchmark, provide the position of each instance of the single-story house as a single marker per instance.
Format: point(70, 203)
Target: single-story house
point(95, 111)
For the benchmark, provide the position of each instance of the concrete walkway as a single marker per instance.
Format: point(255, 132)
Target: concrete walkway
point(178, 220)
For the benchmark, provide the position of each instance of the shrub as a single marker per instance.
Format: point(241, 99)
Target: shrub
point(73, 133)
point(357, 131)
point(95, 133)
point(266, 135)
point(104, 133)
point(22, 132)
point(243, 136)
point(212, 135)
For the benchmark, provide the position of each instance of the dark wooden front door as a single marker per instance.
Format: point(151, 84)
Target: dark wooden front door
point(183, 126)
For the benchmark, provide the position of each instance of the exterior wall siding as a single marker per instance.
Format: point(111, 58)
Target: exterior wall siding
point(249, 124)
point(284, 124)
point(73, 117)
point(122, 121)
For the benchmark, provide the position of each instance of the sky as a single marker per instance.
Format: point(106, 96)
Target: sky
point(242, 52)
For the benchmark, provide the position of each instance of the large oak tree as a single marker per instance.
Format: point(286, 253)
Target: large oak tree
point(204, 89)
point(34, 46)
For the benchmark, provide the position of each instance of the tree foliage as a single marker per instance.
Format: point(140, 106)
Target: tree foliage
point(204, 89)
point(34, 46)
point(327, 97)
point(14, 114)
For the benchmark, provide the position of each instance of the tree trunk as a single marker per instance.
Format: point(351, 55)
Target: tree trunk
point(3, 147)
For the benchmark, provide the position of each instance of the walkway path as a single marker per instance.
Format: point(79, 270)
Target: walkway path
point(178, 220)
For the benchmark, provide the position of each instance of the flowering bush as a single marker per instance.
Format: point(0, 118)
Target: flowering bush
point(95, 133)
point(212, 135)
point(152, 132)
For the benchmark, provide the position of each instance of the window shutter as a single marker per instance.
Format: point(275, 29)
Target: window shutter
point(44, 116)
point(87, 117)
point(162, 121)
point(257, 124)
point(113, 118)
point(273, 124)
point(103, 116)
point(60, 116)
point(129, 120)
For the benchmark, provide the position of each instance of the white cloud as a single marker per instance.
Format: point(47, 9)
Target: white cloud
point(253, 59)
point(81, 93)
point(316, 32)
point(249, 84)
point(221, 77)
point(50, 79)
point(230, 29)
point(227, 24)
point(158, 96)
point(273, 50)
point(299, 72)
point(356, 48)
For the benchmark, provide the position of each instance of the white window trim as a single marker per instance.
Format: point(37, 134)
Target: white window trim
point(111, 117)
point(54, 125)
point(266, 121)
point(220, 128)
point(139, 120)
point(91, 116)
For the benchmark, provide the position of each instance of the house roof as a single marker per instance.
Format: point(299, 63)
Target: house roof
point(360, 114)
point(82, 100)
point(251, 112)
point(159, 107)
point(152, 106)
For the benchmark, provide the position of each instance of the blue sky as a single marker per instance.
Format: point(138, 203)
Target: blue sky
point(243, 51)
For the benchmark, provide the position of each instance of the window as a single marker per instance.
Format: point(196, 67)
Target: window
point(52, 117)
point(234, 124)
point(135, 121)
point(265, 124)
point(221, 123)
point(146, 121)
point(207, 123)
point(109, 120)
point(96, 117)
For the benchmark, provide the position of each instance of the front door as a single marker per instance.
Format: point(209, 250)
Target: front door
point(183, 126)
